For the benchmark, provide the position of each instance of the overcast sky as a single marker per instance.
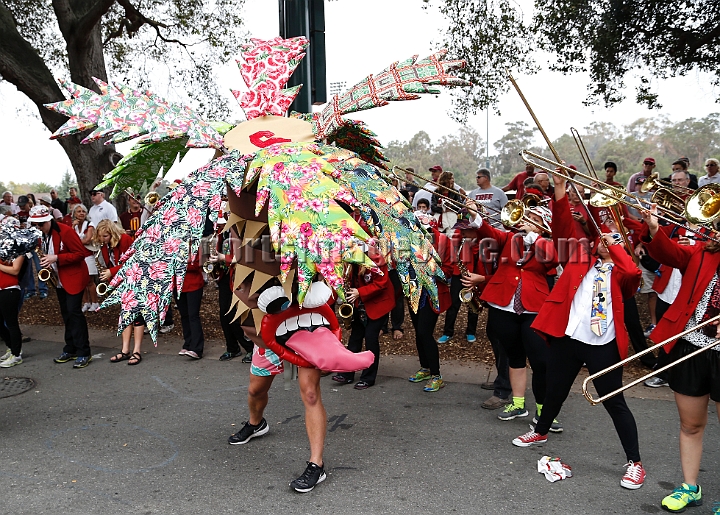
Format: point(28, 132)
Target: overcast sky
point(363, 37)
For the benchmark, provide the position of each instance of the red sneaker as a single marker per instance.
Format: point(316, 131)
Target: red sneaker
point(529, 438)
point(634, 476)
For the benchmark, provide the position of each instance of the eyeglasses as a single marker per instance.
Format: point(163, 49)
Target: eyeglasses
point(710, 164)
point(647, 163)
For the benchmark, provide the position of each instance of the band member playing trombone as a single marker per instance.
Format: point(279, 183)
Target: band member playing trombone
point(697, 380)
point(515, 294)
point(64, 253)
point(113, 243)
point(582, 320)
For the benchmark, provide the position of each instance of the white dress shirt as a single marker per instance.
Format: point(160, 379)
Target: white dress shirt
point(578, 327)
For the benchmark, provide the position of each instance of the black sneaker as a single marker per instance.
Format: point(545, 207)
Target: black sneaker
point(82, 361)
point(247, 358)
point(248, 432)
point(227, 355)
point(313, 475)
point(64, 358)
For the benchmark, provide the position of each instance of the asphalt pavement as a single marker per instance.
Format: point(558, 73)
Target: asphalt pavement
point(152, 439)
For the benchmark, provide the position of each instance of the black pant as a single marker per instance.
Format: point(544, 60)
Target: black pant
point(424, 323)
point(502, 389)
point(452, 312)
point(234, 336)
point(189, 306)
point(397, 315)
point(9, 325)
point(663, 357)
point(565, 359)
point(77, 341)
point(521, 343)
point(635, 331)
point(371, 334)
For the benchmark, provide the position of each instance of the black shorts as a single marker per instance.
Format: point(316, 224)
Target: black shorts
point(696, 376)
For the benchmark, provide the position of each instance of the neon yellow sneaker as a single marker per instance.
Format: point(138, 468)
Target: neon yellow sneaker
point(421, 375)
point(682, 497)
point(435, 383)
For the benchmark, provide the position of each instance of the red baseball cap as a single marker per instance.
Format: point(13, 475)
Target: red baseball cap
point(436, 168)
point(649, 160)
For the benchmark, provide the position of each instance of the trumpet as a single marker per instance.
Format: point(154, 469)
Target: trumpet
point(102, 288)
point(653, 182)
point(607, 396)
point(46, 275)
point(468, 296)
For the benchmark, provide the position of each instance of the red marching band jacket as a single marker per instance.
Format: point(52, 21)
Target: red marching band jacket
point(125, 243)
point(501, 287)
point(375, 290)
point(553, 317)
point(697, 267)
point(71, 253)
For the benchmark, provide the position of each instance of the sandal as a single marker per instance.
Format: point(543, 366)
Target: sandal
point(135, 356)
point(397, 334)
point(120, 356)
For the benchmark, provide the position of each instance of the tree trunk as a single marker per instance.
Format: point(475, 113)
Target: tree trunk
point(22, 66)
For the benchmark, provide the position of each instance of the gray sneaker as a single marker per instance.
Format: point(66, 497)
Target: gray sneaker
point(555, 427)
point(166, 328)
point(656, 382)
point(511, 411)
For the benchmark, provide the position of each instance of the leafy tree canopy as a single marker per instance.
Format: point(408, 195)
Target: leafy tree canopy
point(608, 39)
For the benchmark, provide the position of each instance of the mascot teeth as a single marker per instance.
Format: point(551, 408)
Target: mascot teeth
point(318, 294)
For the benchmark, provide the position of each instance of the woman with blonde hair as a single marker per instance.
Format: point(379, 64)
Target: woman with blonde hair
point(85, 231)
point(113, 243)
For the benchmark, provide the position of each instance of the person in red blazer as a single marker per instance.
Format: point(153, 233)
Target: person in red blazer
point(373, 297)
point(426, 318)
point(113, 243)
point(697, 380)
point(515, 294)
point(582, 320)
point(65, 255)
point(189, 306)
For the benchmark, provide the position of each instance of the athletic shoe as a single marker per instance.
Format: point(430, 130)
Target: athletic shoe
point(82, 361)
point(511, 411)
point(434, 384)
point(529, 438)
point(248, 432)
point(7, 354)
point(555, 427)
point(167, 328)
point(192, 354)
point(64, 358)
point(444, 339)
point(716, 508)
point(656, 382)
point(29, 295)
point(94, 307)
point(339, 378)
point(227, 355)
point(11, 361)
point(25, 339)
point(146, 330)
point(182, 352)
point(421, 375)
point(681, 498)
point(471, 338)
point(634, 476)
point(43, 295)
point(649, 330)
point(85, 307)
point(314, 475)
point(247, 358)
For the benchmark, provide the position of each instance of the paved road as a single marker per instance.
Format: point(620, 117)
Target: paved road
point(151, 439)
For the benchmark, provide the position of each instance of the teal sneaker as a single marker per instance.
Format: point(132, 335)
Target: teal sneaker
point(444, 338)
point(471, 338)
point(421, 375)
point(716, 508)
point(511, 411)
point(682, 497)
point(555, 427)
point(434, 384)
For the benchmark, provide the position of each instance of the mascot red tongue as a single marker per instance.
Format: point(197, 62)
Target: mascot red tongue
point(320, 348)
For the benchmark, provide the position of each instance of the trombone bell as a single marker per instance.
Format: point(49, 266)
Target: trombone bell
point(703, 206)
point(604, 198)
point(512, 213)
point(151, 198)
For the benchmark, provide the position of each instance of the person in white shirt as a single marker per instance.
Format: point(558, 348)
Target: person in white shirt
point(101, 209)
point(488, 195)
point(712, 166)
point(7, 200)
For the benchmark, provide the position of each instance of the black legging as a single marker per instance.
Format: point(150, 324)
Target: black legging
point(77, 340)
point(424, 322)
point(565, 359)
point(520, 344)
point(9, 326)
point(234, 335)
point(452, 312)
point(189, 306)
point(635, 331)
point(371, 334)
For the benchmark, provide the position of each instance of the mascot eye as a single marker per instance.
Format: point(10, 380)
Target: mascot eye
point(273, 300)
point(318, 294)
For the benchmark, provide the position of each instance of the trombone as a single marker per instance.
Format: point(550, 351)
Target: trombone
point(653, 182)
point(619, 364)
point(701, 208)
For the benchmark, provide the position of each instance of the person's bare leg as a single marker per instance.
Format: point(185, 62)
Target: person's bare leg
point(693, 419)
point(518, 381)
point(258, 397)
point(138, 338)
point(315, 415)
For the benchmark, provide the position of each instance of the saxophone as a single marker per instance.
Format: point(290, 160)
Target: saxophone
point(468, 296)
point(46, 275)
point(102, 288)
point(346, 310)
